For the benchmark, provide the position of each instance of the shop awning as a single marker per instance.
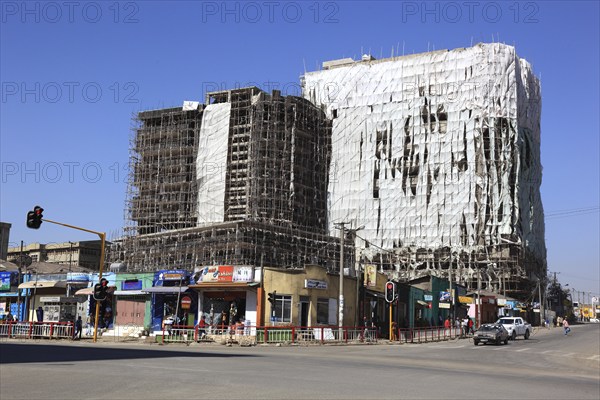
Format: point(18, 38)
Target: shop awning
point(88, 291)
point(423, 303)
point(42, 284)
point(129, 293)
point(165, 289)
point(205, 285)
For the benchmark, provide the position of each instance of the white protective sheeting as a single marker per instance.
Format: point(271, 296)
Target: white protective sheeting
point(435, 149)
point(211, 163)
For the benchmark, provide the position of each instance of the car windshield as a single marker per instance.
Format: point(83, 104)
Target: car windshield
point(488, 328)
point(506, 321)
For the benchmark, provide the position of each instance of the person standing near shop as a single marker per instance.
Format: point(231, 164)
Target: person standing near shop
point(88, 325)
point(78, 328)
point(39, 314)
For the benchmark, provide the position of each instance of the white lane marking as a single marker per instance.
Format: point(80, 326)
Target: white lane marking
point(526, 348)
point(596, 357)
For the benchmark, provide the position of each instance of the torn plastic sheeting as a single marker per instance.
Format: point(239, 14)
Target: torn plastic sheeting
point(425, 147)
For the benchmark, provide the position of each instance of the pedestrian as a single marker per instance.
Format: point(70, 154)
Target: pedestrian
point(9, 317)
point(202, 327)
point(78, 328)
point(88, 325)
point(566, 326)
point(470, 325)
point(465, 325)
point(39, 314)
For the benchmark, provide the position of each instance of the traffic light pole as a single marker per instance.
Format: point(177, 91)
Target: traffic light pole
point(102, 240)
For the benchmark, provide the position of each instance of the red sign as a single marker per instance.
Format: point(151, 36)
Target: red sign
point(186, 302)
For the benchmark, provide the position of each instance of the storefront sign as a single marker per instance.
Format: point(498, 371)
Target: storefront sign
point(501, 302)
point(78, 277)
point(5, 281)
point(133, 284)
point(370, 275)
point(445, 296)
point(314, 284)
point(53, 299)
point(428, 297)
point(465, 300)
point(186, 302)
point(172, 277)
point(444, 305)
point(243, 274)
point(226, 273)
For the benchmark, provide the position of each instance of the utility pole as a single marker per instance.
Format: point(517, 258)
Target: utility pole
point(450, 288)
point(542, 315)
point(478, 297)
point(342, 228)
point(19, 283)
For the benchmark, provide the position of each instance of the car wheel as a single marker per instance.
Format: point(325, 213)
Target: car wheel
point(514, 335)
point(498, 342)
point(506, 340)
point(527, 334)
point(475, 342)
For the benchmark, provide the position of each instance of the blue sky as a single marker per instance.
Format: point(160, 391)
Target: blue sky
point(73, 75)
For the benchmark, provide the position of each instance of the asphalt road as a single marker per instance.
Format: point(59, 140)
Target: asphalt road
point(547, 366)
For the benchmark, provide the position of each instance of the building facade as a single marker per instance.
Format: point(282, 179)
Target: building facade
point(437, 155)
point(241, 180)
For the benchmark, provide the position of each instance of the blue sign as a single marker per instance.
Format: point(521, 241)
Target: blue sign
point(5, 281)
point(134, 284)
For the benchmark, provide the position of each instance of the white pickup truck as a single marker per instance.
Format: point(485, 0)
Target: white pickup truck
point(516, 326)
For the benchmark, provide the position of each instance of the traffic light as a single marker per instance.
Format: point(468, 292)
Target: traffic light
point(390, 291)
point(273, 298)
point(101, 290)
point(34, 218)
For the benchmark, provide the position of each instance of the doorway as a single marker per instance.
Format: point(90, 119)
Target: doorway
point(304, 310)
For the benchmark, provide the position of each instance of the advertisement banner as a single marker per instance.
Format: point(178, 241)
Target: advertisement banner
point(243, 274)
point(225, 273)
point(5, 281)
point(445, 297)
point(370, 275)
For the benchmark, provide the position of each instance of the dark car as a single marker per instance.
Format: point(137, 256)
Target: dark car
point(491, 333)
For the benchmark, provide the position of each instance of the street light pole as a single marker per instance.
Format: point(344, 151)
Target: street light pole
point(102, 236)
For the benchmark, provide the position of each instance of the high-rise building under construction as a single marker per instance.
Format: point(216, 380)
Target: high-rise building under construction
point(239, 180)
point(437, 155)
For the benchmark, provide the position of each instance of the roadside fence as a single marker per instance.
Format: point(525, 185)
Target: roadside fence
point(37, 330)
point(268, 334)
point(430, 334)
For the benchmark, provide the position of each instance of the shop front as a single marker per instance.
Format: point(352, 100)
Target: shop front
point(132, 304)
point(169, 288)
point(226, 295)
point(106, 315)
point(307, 297)
point(10, 301)
point(45, 286)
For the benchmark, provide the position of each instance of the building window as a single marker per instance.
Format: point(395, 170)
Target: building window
point(283, 308)
point(322, 311)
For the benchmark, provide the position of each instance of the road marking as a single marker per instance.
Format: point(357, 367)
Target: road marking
point(526, 348)
point(547, 351)
point(596, 357)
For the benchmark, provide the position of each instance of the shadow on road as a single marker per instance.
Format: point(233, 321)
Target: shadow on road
point(27, 353)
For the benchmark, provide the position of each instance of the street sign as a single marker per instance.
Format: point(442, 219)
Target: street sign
point(186, 302)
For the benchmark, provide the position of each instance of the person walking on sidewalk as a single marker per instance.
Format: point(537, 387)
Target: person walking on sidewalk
point(78, 328)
